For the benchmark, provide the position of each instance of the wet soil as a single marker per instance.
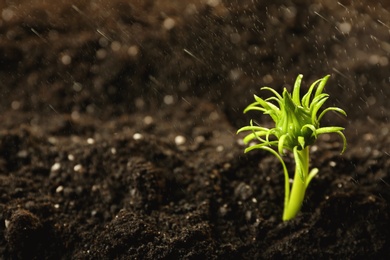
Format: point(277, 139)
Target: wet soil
point(118, 122)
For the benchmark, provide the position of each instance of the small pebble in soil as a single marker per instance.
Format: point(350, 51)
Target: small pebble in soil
point(55, 167)
point(345, 27)
point(15, 105)
point(77, 86)
point(52, 140)
point(268, 79)
point(223, 210)
point(248, 215)
point(139, 103)
point(169, 23)
point(116, 46)
point(90, 109)
point(90, 141)
point(226, 166)
point(66, 59)
point(75, 115)
point(22, 154)
point(70, 157)
point(199, 139)
point(137, 136)
point(235, 74)
point(326, 137)
point(371, 100)
point(59, 189)
point(235, 38)
point(95, 188)
point(332, 164)
point(148, 120)
point(252, 144)
point(368, 137)
point(29, 204)
point(214, 115)
point(169, 100)
point(78, 168)
point(220, 148)
point(133, 50)
point(240, 142)
point(94, 213)
point(376, 153)
point(7, 14)
point(213, 3)
point(179, 140)
point(101, 54)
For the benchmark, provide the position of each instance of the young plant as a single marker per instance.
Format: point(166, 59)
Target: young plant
point(297, 126)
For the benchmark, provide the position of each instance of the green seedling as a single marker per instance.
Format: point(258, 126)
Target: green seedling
point(297, 126)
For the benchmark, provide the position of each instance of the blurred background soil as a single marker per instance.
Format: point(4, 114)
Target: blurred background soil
point(118, 121)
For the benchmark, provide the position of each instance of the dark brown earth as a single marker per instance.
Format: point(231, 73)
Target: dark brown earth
point(118, 121)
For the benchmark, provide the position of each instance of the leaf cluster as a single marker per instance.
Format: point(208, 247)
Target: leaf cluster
point(297, 121)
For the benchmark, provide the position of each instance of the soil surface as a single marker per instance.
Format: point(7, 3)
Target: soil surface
point(119, 118)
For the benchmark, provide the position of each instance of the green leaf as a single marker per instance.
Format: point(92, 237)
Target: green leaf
point(299, 167)
point(254, 135)
point(276, 99)
point(259, 146)
point(334, 129)
point(273, 91)
point(306, 97)
point(296, 91)
point(321, 85)
point(281, 143)
point(336, 109)
point(311, 127)
point(318, 99)
point(257, 132)
point(261, 102)
point(270, 108)
point(311, 175)
point(252, 128)
point(328, 130)
point(289, 105)
point(301, 141)
point(344, 141)
point(254, 106)
point(315, 107)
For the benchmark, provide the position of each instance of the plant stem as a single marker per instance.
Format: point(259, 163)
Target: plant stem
point(299, 185)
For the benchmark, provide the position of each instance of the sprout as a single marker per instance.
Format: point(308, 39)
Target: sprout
point(297, 126)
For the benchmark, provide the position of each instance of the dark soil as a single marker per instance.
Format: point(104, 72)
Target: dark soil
point(118, 121)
